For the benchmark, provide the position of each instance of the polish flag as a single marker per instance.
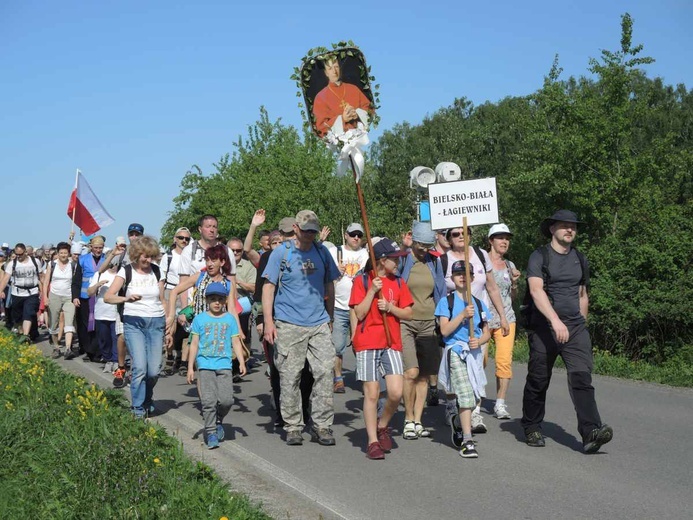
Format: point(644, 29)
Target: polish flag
point(85, 208)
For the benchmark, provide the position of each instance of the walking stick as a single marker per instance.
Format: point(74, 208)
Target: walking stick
point(467, 275)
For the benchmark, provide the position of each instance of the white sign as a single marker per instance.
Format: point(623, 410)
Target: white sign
point(451, 201)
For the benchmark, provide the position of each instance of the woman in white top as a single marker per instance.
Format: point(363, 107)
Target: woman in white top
point(506, 276)
point(57, 293)
point(144, 320)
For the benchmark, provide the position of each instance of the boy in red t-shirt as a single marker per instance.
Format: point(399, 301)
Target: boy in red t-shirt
point(374, 359)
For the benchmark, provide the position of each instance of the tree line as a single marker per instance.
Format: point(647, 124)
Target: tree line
point(614, 145)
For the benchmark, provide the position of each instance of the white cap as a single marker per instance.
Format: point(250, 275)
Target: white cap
point(497, 229)
point(5, 245)
point(76, 248)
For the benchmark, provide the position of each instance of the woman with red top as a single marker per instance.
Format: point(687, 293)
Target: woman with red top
point(374, 358)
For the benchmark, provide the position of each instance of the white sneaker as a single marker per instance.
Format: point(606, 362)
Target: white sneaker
point(108, 367)
point(501, 411)
point(478, 425)
point(450, 412)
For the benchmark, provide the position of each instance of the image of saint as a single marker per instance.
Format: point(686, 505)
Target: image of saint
point(340, 106)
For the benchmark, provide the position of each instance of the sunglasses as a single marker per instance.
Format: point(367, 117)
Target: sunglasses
point(187, 239)
point(237, 250)
point(456, 234)
point(354, 234)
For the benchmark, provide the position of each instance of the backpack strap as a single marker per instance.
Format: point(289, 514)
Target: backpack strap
point(444, 260)
point(286, 259)
point(583, 267)
point(169, 257)
point(479, 308)
point(53, 264)
point(481, 256)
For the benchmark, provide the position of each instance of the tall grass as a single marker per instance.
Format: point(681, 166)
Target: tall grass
point(71, 450)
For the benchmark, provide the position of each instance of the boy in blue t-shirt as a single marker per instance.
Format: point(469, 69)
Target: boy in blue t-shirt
point(213, 334)
point(461, 369)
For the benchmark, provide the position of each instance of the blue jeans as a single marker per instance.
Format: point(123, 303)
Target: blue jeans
point(341, 331)
point(145, 341)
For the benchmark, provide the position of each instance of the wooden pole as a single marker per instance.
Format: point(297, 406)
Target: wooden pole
point(74, 209)
point(467, 276)
point(367, 229)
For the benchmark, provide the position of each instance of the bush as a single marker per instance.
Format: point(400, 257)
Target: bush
point(72, 450)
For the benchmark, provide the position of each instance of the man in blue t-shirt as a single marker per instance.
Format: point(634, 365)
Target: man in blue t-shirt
point(298, 308)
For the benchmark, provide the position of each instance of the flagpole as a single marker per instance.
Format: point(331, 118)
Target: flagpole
point(74, 209)
point(367, 229)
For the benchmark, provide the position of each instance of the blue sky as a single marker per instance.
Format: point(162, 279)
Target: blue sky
point(135, 92)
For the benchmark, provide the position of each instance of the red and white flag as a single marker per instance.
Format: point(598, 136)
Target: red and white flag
point(85, 208)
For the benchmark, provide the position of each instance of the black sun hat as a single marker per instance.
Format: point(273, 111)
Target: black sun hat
point(562, 215)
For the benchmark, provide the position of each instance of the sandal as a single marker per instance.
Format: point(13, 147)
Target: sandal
point(183, 370)
point(409, 431)
point(421, 431)
point(168, 366)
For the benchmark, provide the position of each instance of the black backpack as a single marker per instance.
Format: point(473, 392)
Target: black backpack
point(14, 270)
point(477, 302)
point(527, 309)
point(128, 279)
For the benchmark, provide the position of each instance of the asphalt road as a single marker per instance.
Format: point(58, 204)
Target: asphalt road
point(645, 472)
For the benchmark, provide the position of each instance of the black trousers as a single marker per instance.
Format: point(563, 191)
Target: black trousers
point(577, 356)
point(88, 341)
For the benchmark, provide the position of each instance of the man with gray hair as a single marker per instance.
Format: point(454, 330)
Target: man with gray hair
point(350, 259)
point(297, 321)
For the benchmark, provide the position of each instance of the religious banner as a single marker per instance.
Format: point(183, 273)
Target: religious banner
point(339, 102)
point(475, 199)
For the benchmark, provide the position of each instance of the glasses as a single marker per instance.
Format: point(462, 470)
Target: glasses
point(237, 250)
point(355, 234)
point(187, 239)
point(456, 234)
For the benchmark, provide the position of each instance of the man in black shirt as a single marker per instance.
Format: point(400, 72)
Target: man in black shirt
point(558, 277)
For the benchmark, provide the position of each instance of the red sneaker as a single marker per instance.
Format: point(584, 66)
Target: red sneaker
point(384, 439)
point(375, 452)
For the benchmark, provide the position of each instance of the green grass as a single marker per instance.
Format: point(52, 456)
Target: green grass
point(677, 371)
point(71, 450)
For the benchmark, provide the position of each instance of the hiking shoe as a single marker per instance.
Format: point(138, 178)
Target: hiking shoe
point(220, 432)
point(456, 434)
point(501, 412)
point(468, 450)
point(323, 436)
point(375, 452)
point(421, 431)
point(212, 441)
point(119, 378)
point(535, 439)
point(294, 438)
point(450, 412)
point(56, 353)
point(597, 438)
point(409, 431)
point(385, 439)
point(338, 386)
point(478, 425)
point(432, 397)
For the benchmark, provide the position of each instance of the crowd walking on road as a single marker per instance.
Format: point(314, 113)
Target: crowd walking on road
point(419, 316)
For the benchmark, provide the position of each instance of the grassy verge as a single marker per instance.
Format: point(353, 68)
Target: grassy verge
point(677, 371)
point(71, 450)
